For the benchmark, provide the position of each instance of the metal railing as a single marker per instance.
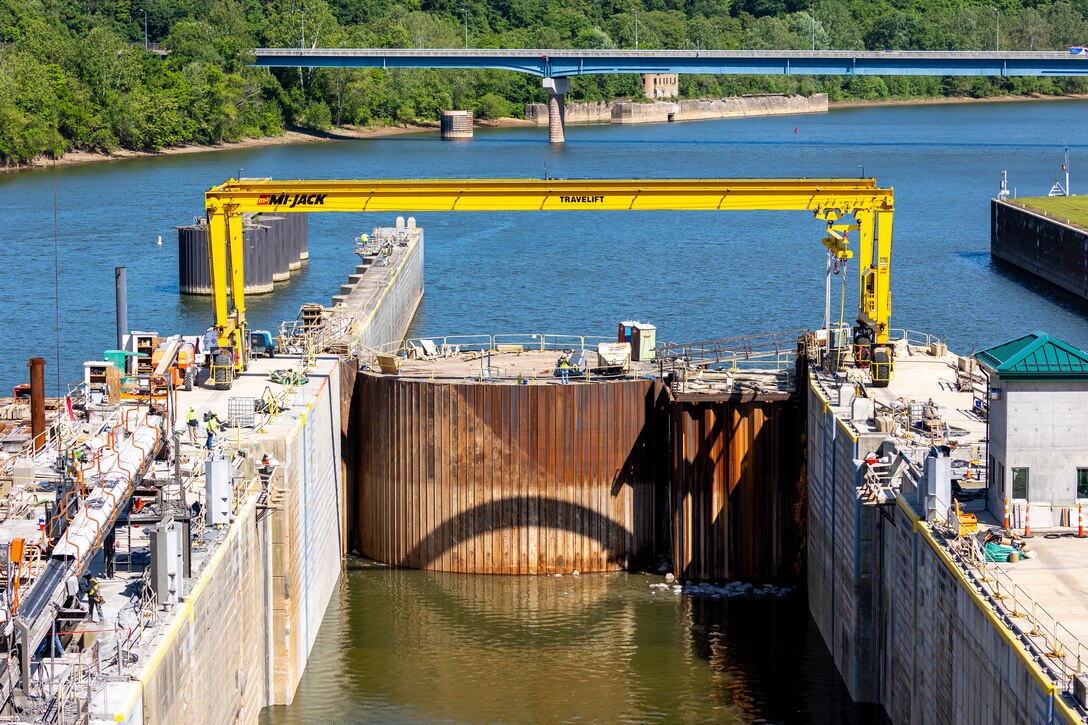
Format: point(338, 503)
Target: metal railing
point(1057, 651)
point(914, 338)
point(771, 349)
point(453, 344)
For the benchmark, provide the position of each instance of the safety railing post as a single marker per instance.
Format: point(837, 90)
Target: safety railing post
point(1034, 621)
point(1016, 611)
point(997, 583)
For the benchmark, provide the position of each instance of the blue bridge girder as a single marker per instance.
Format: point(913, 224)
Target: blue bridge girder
point(562, 63)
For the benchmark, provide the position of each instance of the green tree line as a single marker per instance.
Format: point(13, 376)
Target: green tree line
point(75, 74)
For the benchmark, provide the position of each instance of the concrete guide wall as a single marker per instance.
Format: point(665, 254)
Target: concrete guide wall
point(1040, 245)
point(397, 306)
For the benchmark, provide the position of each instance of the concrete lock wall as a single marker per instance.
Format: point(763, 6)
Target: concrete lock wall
point(904, 626)
point(838, 528)
point(1040, 245)
point(626, 112)
point(1039, 426)
point(307, 537)
point(574, 113)
point(210, 664)
point(943, 657)
point(239, 641)
point(241, 638)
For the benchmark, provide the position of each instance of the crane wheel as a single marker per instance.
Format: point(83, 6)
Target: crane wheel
point(880, 368)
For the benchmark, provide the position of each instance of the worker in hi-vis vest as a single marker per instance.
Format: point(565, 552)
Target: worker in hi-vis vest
point(192, 421)
point(94, 597)
point(213, 428)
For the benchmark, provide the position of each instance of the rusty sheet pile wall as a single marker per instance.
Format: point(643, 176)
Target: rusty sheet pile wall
point(507, 479)
point(541, 479)
point(736, 488)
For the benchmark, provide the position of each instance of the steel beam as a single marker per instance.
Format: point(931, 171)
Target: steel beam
point(561, 63)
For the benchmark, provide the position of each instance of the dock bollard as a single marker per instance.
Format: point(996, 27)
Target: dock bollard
point(1006, 524)
point(1027, 521)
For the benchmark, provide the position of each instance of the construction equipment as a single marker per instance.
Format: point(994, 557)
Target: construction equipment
point(831, 200)
point(613, 357)
point(224, 366)
point(174, 364)
point(261, 342)
point(576, 364)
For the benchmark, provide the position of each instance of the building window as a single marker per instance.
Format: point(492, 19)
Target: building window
point(1020, 483)
point(1082, 483)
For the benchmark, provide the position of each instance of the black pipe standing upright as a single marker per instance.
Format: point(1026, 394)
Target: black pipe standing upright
point(121, 284)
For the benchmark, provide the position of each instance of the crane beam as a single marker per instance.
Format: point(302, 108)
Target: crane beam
point(550, 195)
point(829, 199)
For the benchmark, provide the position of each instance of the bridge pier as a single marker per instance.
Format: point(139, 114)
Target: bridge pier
point(556, 89)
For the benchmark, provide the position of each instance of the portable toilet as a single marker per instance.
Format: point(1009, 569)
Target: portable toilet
point(626, 331)
point(643, 341)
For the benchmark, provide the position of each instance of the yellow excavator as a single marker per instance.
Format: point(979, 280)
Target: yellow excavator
point(835, 201)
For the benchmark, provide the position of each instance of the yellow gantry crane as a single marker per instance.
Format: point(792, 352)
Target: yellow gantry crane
point(831, 200)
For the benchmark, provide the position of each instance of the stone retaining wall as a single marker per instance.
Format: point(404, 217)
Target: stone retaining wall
point(626, 112)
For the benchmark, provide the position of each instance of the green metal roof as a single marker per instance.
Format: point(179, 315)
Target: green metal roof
point(1035, 356)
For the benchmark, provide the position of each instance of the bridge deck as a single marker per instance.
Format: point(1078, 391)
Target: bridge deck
point(558, 63)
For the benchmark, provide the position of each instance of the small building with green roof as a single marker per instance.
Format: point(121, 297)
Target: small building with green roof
point(1038, 426)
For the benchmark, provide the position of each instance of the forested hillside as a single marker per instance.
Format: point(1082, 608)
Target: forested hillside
point(75, 74)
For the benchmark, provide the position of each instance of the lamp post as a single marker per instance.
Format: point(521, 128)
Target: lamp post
point(812, 15)
point(997, 38)
point(464, 12)
point(636, 28)
point(145, 28)
point(301, 40)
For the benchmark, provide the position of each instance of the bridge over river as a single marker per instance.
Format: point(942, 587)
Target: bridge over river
point(556, 67)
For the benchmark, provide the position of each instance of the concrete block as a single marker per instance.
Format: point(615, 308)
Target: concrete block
point(1080, 690)
point(556, 86)
point(861, 409)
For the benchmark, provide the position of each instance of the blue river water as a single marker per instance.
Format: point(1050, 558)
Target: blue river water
point(414, 647)
point(696, 275)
